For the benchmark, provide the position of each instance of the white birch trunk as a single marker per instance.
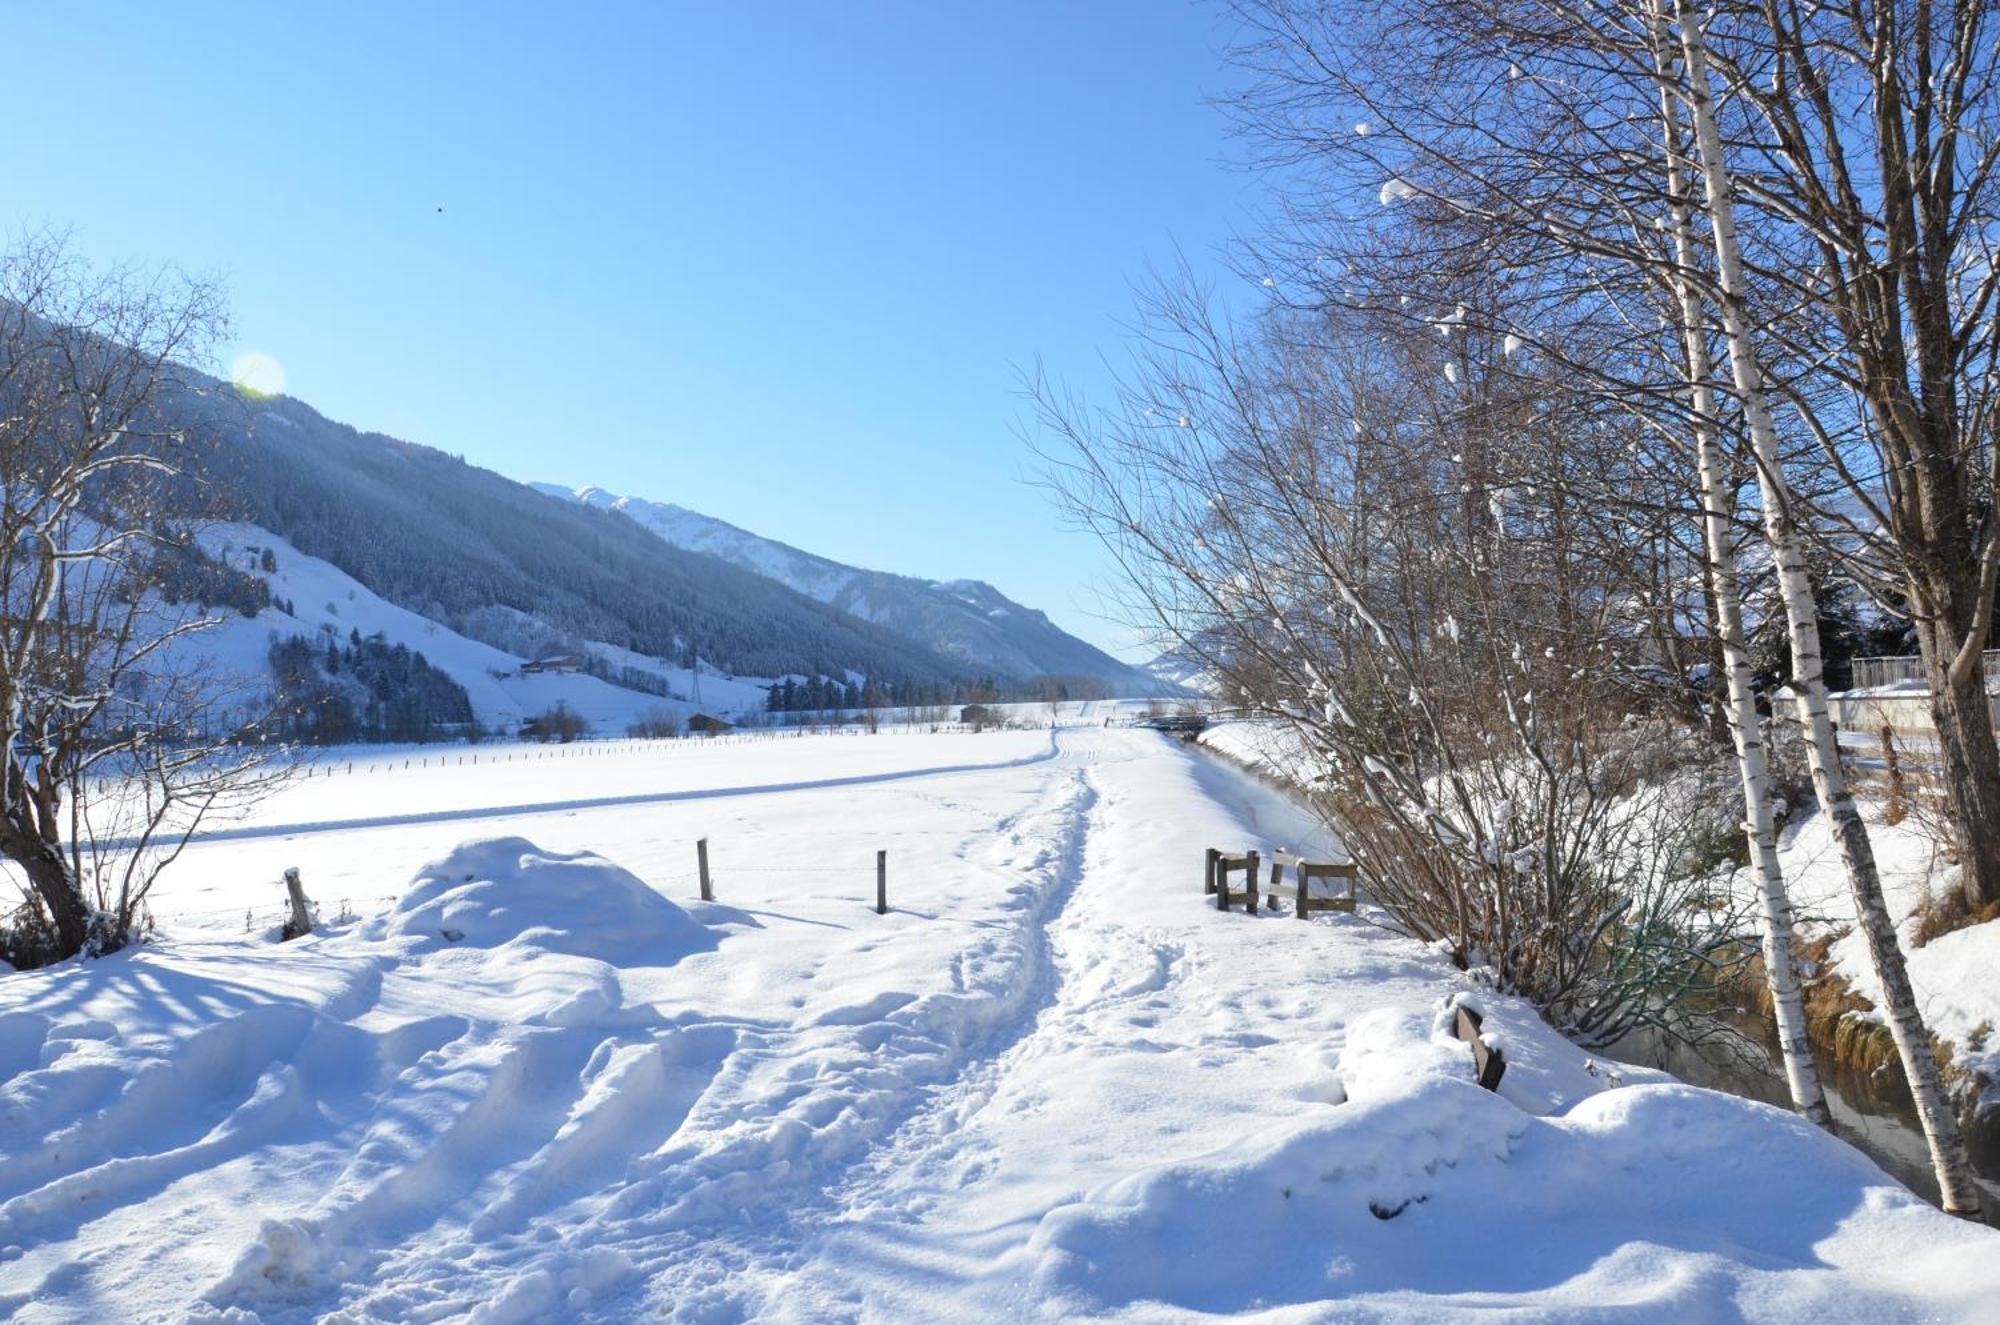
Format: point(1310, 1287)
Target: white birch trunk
point(1717, 510)
point(1906, 1025)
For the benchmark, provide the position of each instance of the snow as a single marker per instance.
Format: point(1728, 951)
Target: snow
point(501, 891)
point(327, 599)
point(1273, 749)
point(532, 1084)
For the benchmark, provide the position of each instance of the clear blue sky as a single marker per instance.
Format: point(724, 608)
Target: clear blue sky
point(777, 263)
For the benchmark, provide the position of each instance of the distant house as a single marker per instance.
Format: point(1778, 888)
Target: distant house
point(556, 662)
point(702, 724)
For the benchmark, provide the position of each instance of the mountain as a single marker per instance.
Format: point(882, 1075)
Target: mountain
point(501, 563)
point(965, 620)
point(309, 598)
point(1184, 672)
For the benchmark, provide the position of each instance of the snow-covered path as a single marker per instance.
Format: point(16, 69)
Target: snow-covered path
point(1053, 1082)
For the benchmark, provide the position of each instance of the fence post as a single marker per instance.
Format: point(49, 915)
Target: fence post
point(701, 862)
point(1896, 809)
point(301, 923)
point(1488, 1063)
point(1250, 877)
point(881, 883)
point(1208, 872)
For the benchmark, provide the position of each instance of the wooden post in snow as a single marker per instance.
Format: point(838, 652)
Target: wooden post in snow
point(1487, 1062)
point(1220, 871)
point(701, 863)
point(1208, 873)
point(882, 883)
point(301, 923)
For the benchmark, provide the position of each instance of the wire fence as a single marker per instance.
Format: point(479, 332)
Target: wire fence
point(681, 886)
point(316, 764)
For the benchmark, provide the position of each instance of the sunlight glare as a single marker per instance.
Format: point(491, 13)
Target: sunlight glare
point(258, 374)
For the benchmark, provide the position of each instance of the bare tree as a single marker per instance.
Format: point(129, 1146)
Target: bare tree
point(1718, 513)
point(1519, 144)
point(1365, 528)
point(1906, 1024)
point(1871, 131)
point(118, 745)
point(1526, 131)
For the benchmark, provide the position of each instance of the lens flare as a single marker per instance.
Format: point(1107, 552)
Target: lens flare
point(258, 375)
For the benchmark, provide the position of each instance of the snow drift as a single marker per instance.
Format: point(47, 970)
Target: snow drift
point(506, 890)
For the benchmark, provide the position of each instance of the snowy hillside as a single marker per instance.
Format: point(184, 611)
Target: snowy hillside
point(329, 602)
point(484, 555)
point(964, 619)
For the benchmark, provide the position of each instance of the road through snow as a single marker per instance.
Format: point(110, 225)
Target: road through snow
point(1053, 1082)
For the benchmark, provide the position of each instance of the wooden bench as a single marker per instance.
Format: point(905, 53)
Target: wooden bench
point(1307, 872)
point(1216, 871)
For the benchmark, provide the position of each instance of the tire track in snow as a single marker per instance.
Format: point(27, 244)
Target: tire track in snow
point(942, 1207)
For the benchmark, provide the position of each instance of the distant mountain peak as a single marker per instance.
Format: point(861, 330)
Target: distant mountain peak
point(961, 618)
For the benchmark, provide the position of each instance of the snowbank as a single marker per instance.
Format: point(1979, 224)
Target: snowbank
point(506, 890)
point(1269, 746)
point(1425, 1198)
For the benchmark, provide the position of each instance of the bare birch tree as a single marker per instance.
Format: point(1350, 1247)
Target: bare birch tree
point(1718, 514)
point(1524, 127)
point(1789, 550)
point(1877, 128)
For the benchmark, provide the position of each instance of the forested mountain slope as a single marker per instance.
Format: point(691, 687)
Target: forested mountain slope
point(468, 547)
point(966, 620)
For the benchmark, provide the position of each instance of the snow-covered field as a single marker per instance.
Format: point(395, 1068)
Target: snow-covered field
point(532, 1083)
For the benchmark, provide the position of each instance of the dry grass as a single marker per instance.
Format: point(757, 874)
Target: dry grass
point(1837, 1020)
point(1938, 916)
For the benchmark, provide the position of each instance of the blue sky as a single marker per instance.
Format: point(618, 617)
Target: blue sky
point(777, 263)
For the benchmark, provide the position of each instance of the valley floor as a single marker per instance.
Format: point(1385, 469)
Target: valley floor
point(527, 1083)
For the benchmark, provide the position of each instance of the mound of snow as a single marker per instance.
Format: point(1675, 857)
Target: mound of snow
point(507, 890)
point(1663, 1201)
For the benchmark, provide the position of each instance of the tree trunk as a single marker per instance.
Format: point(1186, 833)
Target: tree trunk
point(1718, 502)
point(1963, 715)
point(1906, 1025)
point(49, 875)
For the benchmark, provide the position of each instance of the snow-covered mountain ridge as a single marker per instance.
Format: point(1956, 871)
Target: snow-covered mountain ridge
point(965, 619)
point(317, 600)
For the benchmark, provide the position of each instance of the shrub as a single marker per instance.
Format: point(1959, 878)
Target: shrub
point(656, 724)
point(559, 722)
